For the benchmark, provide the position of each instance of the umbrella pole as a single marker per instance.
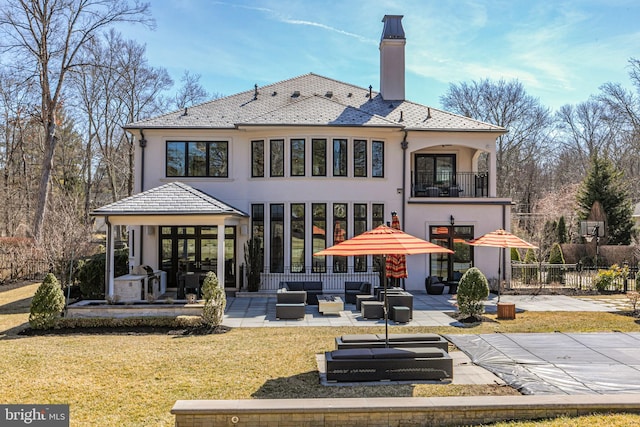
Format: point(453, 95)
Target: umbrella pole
point(385, 308)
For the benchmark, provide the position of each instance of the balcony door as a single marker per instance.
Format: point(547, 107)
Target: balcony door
point(435, 171)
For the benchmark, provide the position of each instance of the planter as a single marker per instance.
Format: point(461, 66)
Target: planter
point(506, 310)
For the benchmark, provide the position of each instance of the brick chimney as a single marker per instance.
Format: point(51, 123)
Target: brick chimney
point(392, 58)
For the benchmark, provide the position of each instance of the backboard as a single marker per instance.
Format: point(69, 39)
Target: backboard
point(589, 228)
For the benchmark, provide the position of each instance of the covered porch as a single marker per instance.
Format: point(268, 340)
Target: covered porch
point(180, 234)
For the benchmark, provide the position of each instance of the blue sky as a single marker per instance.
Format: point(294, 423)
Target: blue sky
point(562, 51)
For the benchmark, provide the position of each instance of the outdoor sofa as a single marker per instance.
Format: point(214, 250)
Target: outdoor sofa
point(433, 285)
point(312, 288)
point(391, 364)
point(351, 289)
point(395, 340)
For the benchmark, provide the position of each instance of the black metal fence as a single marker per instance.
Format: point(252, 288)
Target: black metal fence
point(570, 276)
point(15, 268)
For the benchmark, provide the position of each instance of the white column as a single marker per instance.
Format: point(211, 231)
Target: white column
point(110, 260)
point(220, 272)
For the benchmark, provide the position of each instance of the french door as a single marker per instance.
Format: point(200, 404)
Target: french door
point(194, 249)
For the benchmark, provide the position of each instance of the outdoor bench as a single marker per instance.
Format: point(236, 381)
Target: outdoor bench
point(312, 288)
point(393, 364)
point(395, 340)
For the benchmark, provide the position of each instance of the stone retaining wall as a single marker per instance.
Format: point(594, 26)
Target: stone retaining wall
point(400, 412)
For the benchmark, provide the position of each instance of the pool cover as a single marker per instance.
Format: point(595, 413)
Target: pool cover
point(559, 363)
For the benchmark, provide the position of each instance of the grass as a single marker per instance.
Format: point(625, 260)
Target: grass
point(134, 380)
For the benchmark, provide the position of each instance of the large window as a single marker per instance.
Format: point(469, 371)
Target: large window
point(377, 219)
point(377, 159)
point(339, 235)
point(297, 157)
point(257, 229)
point(198, 158)
point(319, 212)
point(339, 157)
point(359, 227)
point(257, 158)
point(277, 157)
point(319, 157)
point(451, 266)
point(277, 238)
point(359, 157)
point(297, 237)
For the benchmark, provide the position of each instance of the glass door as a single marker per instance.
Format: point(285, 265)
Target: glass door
point(450, 267)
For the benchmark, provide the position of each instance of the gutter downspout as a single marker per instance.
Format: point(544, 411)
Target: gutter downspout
point(143, 144)
point(504, 255)
point(404, 144)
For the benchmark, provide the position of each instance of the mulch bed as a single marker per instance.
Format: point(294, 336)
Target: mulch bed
point(128, 330)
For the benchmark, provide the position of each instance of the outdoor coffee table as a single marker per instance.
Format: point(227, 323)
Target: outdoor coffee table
point(330, 304)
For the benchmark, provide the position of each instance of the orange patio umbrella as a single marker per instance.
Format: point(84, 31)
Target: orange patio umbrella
point(501, 239)
point(384, 240)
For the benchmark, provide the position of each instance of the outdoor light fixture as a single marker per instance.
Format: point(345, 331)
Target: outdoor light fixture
point(452, 220)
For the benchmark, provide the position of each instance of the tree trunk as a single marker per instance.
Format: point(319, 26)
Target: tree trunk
point(45, 177)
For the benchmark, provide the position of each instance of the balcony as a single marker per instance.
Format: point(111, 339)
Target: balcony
point(461, 184)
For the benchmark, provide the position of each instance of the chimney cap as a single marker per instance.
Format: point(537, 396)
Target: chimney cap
point(393, 27)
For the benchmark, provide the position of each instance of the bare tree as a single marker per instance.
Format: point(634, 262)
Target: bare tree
point(521, 152)
point(45, 37)
point(191, 92)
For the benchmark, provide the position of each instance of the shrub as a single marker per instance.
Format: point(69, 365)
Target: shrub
point(215, 300)
point(47, 304)
point(515, 255)
point(608, 279)
point(530, 273)
point(91, 272)
point(473, 289)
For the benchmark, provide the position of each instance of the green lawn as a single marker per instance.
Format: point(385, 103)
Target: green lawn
point(134, 380)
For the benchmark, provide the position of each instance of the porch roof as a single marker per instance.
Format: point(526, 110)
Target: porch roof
point(174, 198)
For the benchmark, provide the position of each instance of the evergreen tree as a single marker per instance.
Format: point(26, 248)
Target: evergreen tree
point(515, 255)
point(561, 231)
point(556, 257)
point(47, 304)
point(605, 184)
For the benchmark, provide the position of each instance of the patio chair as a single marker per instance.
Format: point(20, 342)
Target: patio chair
point(433, 285)
point(192, 284)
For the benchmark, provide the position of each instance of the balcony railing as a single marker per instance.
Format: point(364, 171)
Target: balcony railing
point(461, 184)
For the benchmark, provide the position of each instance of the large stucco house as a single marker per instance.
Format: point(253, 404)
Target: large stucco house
point(301, 163)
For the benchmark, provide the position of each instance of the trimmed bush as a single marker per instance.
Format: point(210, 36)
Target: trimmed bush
point(473, 289)
point(47, 304)
point(515, 255)
point(215, 300)
point(610, 279)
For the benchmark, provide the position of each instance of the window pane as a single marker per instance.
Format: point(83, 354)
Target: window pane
point(297, 157)
point(277, 157)
point(359, 157)
point(176, 154)
point(319, 157)
point(277, 238)
point(377, 159)
point(197, 155)
point(297, 237)
point(218, 159)
point(257, 158)
point(377, 219)
point(319, 236)
point(339, 157)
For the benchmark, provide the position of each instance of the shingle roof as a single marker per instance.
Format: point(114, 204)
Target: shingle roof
point(313, 100)
point(174, 198)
